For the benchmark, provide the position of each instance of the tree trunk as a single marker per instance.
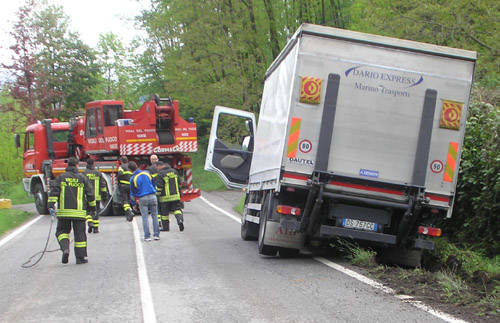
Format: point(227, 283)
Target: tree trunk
point(273, 35)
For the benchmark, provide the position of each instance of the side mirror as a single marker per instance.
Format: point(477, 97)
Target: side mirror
point(17, 140)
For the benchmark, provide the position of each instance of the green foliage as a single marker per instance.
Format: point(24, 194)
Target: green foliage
point(11, 163)
point(241, 205)
point(15, 192)
point(469, 261)
point(476, 215)
point(11, 218)
point(471, 25)
point(453, 286)
point(207, 181)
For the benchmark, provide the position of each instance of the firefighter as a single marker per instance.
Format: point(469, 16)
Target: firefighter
point(167, 184)
point(123, 179)
point(100, 192)
point(74, 196)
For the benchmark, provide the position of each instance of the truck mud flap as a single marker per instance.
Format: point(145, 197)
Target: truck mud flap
point(327, 231)
point(280, 237)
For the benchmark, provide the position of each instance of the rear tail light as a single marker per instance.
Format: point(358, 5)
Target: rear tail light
point(288, 210)
point(435, 232)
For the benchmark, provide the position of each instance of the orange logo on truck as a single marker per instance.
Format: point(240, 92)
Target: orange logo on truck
point(310, 90)
point(450, 115)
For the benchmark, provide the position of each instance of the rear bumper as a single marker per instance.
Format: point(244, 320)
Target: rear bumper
point(327, 231)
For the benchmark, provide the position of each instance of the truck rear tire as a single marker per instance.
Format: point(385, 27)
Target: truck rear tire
point(264, 214)
point(40, 199)
point(249, 230)
point(288, 253)
point(400, 256)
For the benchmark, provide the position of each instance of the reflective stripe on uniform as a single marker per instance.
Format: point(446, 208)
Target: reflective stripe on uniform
point(63, 236)
point(126, 207)
point(52, 199)
point(177, 212)
point(124, 182)
point(79, 198)
point(92, 203)
point(139, 174)
point(72, 214)
point(80, 244)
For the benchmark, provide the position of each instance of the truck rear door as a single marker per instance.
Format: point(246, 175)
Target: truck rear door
point(230, 147)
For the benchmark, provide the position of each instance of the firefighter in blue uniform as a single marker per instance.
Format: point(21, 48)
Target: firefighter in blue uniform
point(100, 192)
point(169, 197)
point(74, 195)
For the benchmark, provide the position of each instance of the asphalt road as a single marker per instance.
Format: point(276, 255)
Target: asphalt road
point(204, 274)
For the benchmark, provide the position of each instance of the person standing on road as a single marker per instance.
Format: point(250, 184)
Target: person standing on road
point(167, 183)
point(123, 179)
point(153, 170)
point(100, 192)
point(74, 196)
point(141, 187)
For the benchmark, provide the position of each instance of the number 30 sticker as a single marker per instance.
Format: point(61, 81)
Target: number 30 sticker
point(437, 166)
point(305, 146)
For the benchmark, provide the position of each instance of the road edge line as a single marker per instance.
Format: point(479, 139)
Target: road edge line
point(404, 298)
point(237, 219)
point(148, 310)
point(19, 230)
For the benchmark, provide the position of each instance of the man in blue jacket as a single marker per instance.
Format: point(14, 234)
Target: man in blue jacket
point(141, 187)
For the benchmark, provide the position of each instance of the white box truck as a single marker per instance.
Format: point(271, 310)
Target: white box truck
point(359, 136)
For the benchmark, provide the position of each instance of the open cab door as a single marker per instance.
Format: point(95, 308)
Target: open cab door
point(230, 147)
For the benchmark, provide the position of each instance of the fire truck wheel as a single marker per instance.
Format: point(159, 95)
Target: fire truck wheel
point(40, 199)
point(249, 230)
point(264, 213)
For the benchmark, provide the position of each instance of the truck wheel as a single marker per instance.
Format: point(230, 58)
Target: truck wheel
point(288, 253)
point(40, 199)
point(117, 208)
point(400, 256)
point(249, 230)
point(264, 213)
point(106, 208)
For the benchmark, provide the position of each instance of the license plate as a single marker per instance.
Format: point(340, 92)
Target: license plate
point(359, 225)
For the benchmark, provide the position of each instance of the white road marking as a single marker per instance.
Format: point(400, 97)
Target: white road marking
point(405, 298)
point(148, 310)
point(235, 218)
point(19, 230)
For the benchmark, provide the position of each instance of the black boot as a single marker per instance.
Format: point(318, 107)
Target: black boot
point(90, 228)
point(80, 261)
point(65, 256)
point(130, 215)
point(96, 230)
point(165, 225)
point(181, 226)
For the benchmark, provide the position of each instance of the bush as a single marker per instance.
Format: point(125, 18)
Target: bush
point(476, 215)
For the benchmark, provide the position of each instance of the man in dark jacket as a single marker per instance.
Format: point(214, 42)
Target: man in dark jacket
point(74, 196)
point(141, 187)
point(100, 192)
point(123, 179)
point(167, 185)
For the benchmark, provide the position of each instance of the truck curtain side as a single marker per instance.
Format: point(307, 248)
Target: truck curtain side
point(359, 136)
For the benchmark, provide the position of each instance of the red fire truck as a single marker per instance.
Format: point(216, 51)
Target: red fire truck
point(104, 133)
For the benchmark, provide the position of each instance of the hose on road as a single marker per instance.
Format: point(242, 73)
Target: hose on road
point(44, 251)
point(28, 263)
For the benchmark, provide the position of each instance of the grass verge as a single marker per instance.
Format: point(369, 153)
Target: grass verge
point(11, 218)
point(458, 281)
point(207, 181)
point(15, 192)
point(241, 204)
